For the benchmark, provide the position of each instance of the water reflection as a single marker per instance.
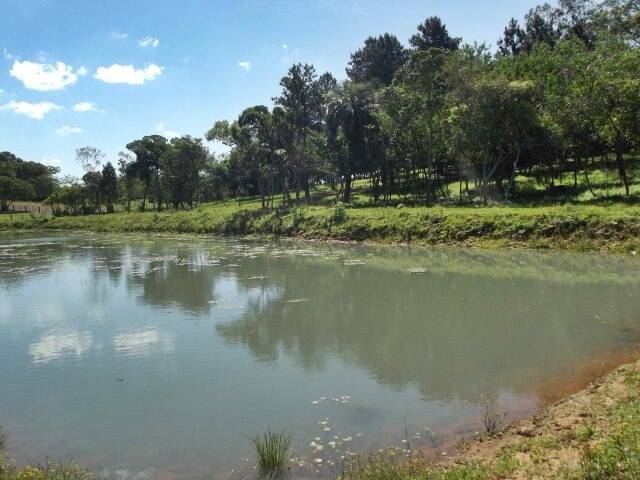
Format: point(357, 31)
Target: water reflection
point(143, 342)
point(53, 347)
point(218, 338)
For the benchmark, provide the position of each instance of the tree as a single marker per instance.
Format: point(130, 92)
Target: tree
point(432, 33)
point(301, 102)
point(350, 119)
point(12, 189)
point(40, 177)
point(149, 151)
point(109, 186)
point(512, 40)
point(127, 175)
point(377, 61)
point(182, 164)
point(495, 129)
point(91, 158)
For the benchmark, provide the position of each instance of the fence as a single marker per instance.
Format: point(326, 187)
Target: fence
point(30, 208)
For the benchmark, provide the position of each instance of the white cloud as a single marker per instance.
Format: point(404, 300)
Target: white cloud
point(82, 71)
point(246, 66)
point(8, 55)
point(148, 42)
point(32, 110)
point(67, 130)
point(165, 132)
point(83, 107)
point(42, 76)
point(119, 35)
point(1, 92)
point(128, 74)
point(52, 162)
point(285, 46)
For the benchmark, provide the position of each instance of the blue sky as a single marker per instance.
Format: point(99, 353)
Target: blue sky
point(130, 68)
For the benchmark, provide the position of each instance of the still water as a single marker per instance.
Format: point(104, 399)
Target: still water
point(147, 356)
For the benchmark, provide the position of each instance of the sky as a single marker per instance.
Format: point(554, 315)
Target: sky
point(102, 73)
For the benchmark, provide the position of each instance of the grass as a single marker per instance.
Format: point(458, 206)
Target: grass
point(614, 227)
point(48, 471)
point(579, 218)
point(616, 454)
point(272, 451)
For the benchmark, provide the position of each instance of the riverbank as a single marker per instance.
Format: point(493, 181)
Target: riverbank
point(593, 434)
point(611, 228)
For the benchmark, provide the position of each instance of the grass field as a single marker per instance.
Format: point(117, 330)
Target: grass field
point(586, 217)
point(615, 227)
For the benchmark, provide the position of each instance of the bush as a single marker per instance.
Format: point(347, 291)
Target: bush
point(339, 214)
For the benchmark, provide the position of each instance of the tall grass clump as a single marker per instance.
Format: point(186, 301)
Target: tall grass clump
point(493, 417)
point(272, 450)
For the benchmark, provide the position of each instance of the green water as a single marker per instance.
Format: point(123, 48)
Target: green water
point(215, 339)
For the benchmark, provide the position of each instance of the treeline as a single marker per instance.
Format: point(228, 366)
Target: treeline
point(562, 90)
point(437, 120)
point(23, 180)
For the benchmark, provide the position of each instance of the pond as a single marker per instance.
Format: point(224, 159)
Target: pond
point(148, 356)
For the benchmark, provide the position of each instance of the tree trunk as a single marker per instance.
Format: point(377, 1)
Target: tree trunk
point(346, 194)
point(622, 171)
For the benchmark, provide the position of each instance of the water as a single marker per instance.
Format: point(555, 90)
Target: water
point(215, 339)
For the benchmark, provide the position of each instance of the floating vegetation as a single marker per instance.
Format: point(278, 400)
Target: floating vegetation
point(272, 450)
point(417, 270)
point(350, 263)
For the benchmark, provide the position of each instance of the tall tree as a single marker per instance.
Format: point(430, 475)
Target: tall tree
point(513, 38)
point(301, 101)
point(182, 166)
point(377, 61)
point(149, 151)
point(109, 186)
point(90, 158)
point(350, 119)
point(432, 33)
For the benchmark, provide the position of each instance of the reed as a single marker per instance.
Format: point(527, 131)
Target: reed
point(272, 450)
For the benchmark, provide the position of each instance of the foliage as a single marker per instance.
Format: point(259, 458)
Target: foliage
point(377, 61)
point(23, 180)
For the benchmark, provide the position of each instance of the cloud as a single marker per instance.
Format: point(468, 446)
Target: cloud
point(128, 74)
point(1, 92)
point(84, 107)
point(285, 46)
point(149, 42)
point(8, 55)
point(246, 66)
point(31, 110)
point(165, 132)
point(82, 71)
point(42, 76)
point(67, 130)
point(119, 35)
point(52, 162)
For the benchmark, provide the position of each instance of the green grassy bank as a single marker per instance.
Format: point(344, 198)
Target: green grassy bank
point(615, 227)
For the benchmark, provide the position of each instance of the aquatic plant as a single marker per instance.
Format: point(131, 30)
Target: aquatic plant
point(493, 417)
point(272, 450)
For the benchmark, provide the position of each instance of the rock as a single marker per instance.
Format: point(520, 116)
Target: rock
point(526, 432)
